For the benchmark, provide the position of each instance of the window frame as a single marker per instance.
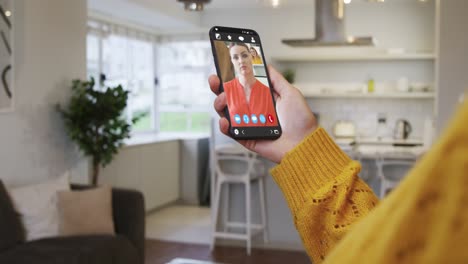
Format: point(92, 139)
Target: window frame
point(101, 30)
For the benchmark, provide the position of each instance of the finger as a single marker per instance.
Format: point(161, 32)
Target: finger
point(280, 85)
point(220, 104)
point(224, 126)
point(214, 82)
point(248, 144)
point(275, 95)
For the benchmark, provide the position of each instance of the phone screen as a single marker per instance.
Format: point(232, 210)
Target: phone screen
point(241, 67)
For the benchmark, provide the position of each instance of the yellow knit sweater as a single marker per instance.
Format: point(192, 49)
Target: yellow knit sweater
point(424, 220)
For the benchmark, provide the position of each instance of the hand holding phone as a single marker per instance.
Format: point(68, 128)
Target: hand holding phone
point(242, 69)
point(294, 114)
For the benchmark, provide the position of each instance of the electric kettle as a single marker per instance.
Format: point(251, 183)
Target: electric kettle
point(402, 129)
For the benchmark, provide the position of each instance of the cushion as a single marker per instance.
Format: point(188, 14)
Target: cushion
point(11, 229)
point(37, 205)
point(96, 249)
point(86, 212)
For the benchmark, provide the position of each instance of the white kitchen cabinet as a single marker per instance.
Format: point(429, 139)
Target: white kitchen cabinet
point(159, 170)
point(152, 169)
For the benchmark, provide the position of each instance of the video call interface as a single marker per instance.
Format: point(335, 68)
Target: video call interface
point(240, 61)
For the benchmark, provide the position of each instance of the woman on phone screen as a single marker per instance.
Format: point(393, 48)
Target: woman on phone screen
point(249, 100)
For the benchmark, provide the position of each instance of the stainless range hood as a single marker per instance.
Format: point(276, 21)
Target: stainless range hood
point(329, 28)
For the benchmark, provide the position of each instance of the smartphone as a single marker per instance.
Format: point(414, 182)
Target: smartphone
point(242, 69)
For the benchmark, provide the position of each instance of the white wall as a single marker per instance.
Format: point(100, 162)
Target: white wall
point(50, 51)
point(395, 24)
point(407, 25)
point(452, 57)
point(364, 113)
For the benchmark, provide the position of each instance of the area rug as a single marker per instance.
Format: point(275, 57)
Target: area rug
point(190, 261)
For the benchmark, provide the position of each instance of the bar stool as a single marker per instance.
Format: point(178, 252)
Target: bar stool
point(399, 168)
point(255, 171)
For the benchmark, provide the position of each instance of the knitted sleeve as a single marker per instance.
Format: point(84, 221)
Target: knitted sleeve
point(323, 190)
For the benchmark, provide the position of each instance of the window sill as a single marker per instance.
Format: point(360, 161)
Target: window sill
point(151, 138)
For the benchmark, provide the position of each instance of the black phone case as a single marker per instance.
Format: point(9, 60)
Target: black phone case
point(272, 129)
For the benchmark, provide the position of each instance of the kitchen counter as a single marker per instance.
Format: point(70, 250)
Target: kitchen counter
point(389, 151)
point(389, 141)
point(373, 148)
point(368, 151)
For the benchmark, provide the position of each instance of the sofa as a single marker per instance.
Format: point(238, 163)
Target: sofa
point(127, 246)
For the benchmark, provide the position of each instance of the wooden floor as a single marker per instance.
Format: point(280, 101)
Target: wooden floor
point(161, 252)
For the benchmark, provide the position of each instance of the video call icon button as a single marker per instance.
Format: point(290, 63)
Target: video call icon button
point(246, 119)
point(254, 118)
point(262, 119)
point(271, 118)
point(237, 118)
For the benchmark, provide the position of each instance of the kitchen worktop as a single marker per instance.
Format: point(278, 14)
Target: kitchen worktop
point(372, 147)
point(389, 151)
point(389, 141)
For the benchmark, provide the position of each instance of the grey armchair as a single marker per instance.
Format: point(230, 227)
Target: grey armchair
point(127, 246)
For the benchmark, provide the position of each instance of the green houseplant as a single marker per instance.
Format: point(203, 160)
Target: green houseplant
point(94, 120)
point(289, 75)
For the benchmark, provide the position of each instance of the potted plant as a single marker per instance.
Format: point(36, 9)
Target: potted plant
point(289, 75)
point(94, 120)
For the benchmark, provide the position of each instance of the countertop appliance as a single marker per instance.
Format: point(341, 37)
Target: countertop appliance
point(344, 129)
point(345, 135)
point(402, 129)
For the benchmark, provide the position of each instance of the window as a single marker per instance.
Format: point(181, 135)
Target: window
point(184, 99)
point(116, 55)
point(167, 81)
point(92, 56)
point(129, 62)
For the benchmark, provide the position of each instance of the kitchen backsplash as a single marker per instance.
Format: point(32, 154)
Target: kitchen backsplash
point(365, 111)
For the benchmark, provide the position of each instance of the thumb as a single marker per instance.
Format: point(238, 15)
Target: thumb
point(280, 85)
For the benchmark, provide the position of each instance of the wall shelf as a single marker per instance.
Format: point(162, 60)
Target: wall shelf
point(395, 95)
point(324, 57)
